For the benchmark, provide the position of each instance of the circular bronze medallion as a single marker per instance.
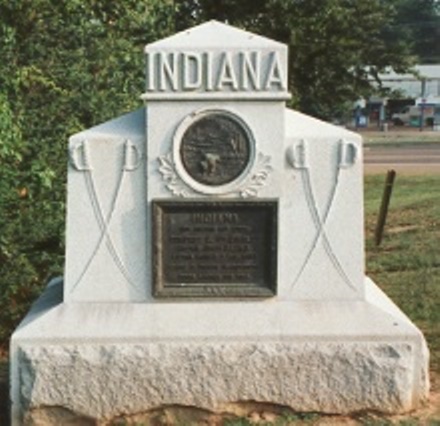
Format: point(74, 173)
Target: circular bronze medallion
point(215, 150)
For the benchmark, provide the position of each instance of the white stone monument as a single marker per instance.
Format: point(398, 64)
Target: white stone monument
point(215, 254)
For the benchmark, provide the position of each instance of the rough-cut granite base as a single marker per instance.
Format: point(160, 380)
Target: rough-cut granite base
point(328, 357)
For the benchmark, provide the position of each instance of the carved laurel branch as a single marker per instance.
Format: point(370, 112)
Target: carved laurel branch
point(251, 185)
point(172, 180)
point(258, 178)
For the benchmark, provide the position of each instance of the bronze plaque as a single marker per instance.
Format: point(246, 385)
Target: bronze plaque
point(215, 150)
point(215, 248)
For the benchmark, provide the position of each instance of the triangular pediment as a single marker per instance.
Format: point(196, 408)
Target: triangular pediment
point(216, 61)
point(214, 34)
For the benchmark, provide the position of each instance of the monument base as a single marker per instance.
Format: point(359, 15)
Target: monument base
point(101, 361)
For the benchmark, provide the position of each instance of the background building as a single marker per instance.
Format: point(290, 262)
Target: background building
point(411, 99)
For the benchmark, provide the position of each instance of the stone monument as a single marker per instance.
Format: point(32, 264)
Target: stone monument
point(215, 255)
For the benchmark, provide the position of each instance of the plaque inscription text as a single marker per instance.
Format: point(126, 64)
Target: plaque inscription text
point(215, 248)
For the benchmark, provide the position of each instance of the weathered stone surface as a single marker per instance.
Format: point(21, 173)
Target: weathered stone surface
point(125, 359)
point(110, 380)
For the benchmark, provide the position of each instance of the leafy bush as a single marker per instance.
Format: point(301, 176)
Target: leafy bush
point(65, 66)
point(69, 64)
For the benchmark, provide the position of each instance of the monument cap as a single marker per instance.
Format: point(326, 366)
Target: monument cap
point(216, 61)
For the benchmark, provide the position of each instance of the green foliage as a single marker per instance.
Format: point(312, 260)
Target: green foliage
point(66, 65)
point(335, 45)
point(420, 19)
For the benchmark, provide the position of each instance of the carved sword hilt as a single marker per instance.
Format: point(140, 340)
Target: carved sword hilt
point(80, 156)
point(297, 155)
point(348, 154)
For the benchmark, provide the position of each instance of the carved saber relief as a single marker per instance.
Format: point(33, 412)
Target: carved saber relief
point(297, 157)
point(81, 160)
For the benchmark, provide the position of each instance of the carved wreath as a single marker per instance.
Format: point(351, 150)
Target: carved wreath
point(250, 187)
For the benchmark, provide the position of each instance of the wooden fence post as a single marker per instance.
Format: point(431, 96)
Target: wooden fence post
point(391, 174)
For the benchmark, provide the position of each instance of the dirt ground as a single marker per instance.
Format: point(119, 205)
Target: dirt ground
point(402, 169)
point(397, 134)
point(399, 138)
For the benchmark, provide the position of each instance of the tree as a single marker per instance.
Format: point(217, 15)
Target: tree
point(420, 19)
point(65, 65)
point(335, 45)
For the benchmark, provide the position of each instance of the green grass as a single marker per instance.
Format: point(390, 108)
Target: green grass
point(407, 263)
point(410, 193)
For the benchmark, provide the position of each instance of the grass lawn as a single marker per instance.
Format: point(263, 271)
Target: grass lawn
point(407, 267)
point(407, 263)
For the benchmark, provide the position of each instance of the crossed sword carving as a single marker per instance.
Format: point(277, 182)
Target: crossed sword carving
point(81, 160)
point(297, 156)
